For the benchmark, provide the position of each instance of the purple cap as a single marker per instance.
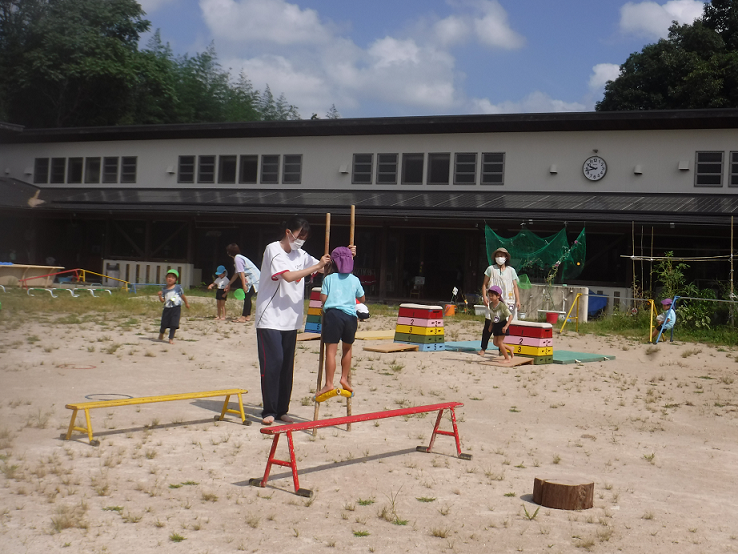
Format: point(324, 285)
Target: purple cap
point(342, 259)
point(666, 302)
point(495, 289)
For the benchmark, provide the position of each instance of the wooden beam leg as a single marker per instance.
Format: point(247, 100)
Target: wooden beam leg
point(240, 407)
point(456, 436)
point(89, 428)
point(225, 408)
point(319, 385)
point(263, 481)
point(71, 425)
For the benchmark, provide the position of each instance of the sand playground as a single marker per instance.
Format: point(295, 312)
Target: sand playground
point(656, 430)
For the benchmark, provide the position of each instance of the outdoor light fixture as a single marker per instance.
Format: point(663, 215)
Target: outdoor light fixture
point(343, 169)
point(553, 169)
point(684, 165)
point(28, 171)
point(638, 170)
point(170, 170)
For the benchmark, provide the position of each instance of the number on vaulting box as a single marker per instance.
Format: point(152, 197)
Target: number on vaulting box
point(421, 325)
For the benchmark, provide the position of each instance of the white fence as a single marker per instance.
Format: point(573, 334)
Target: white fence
point(145, 272)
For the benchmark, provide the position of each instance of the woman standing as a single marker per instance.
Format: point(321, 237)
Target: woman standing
point(502, 275)
point(248, 276)
point(279, 310)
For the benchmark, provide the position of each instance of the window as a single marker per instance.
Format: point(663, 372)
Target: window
point(270, 170)
point(227, 170)
point(362, 169)
point(186, 171)
point(709, 169)
point(206, 169)
point(292, 171)
point(439, 166)
point(493, 168)
point(74, 170)
point(110, 170)
point(465, 169)
point(387, 169)
point(249, 169)
point(58, 170)
point(41, 170)
point(733, 169)
point(412, 169)
point(128, 169)
point(92, 170)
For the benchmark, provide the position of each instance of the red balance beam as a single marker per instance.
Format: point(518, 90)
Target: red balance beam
point(307, 425)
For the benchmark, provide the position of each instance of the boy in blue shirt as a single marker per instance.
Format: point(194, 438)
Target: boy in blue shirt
point(338, 295)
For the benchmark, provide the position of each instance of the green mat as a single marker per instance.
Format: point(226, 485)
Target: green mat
point(570, 357)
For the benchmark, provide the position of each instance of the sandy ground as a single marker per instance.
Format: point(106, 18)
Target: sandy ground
point(655, 430)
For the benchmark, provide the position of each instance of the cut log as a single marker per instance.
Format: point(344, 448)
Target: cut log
point(563, 494)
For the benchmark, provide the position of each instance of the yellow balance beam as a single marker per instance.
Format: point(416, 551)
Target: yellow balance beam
point(87, 406)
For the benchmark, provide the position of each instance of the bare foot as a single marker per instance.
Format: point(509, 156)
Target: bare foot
point(287, 419)
point(268, 420)
point(171, 341)
point(161, 336)
point(481, 353)
point(325, 389)
point(506, 361)
point(345, 385)
point(247, 318)
point(240, 320)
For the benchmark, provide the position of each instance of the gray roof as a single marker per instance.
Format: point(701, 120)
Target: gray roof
point(452, 205)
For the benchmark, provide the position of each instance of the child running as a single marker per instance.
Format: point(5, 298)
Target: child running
point(496, 324)
point(172, 296)
point(338, 295)
point(220, 282)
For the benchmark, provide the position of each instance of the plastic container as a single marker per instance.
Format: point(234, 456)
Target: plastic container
point(480, 309)
point(552, 317)
point(449, 310)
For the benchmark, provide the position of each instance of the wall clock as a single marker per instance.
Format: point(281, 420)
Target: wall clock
point(594, 168)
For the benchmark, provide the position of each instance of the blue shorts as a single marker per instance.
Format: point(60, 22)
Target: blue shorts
point(339, 326)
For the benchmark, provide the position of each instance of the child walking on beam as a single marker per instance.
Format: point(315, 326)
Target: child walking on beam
point(339, 294)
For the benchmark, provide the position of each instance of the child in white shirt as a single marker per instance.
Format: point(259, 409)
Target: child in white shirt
point(220, 283)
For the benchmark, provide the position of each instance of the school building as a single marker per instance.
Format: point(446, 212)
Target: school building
point(423, 187)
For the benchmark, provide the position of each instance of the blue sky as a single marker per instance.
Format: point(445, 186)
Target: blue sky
point(422, 57)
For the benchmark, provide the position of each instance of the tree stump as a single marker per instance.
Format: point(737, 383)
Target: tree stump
point(563, 494)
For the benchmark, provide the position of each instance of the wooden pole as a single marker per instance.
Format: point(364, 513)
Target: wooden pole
point(732, 320)
point(321, 356)
point(351, 243)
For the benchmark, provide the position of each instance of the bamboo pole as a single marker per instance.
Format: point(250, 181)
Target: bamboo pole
point(351, 243)
point(321, 356)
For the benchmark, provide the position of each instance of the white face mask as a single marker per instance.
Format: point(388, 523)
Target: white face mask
point(500, 260)
point(296, 244)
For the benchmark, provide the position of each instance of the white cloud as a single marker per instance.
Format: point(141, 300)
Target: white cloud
point(493, 28)
point(536, 102)
point(487, 22)
point(653, 20)
point(601, 74)
point(270, 21)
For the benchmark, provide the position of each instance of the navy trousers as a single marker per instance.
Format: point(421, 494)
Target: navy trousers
point(277, 364)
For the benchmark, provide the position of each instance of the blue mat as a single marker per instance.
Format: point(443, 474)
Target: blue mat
point(466, 346)
point(559, 356)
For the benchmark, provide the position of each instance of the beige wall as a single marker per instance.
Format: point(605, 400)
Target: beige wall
point(529, 157)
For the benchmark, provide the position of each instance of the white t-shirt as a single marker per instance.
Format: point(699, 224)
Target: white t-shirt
point(504, 279)
point(279, 304)
point(221, 282)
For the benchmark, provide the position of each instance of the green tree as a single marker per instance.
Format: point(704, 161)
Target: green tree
point(68, 62)
point(695, 67)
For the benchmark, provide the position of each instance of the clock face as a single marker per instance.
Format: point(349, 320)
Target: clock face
point(594, 168)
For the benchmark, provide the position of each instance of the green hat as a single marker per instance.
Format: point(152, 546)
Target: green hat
point(175, 272)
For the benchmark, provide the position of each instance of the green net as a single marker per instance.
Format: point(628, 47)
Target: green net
point(544, 258)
